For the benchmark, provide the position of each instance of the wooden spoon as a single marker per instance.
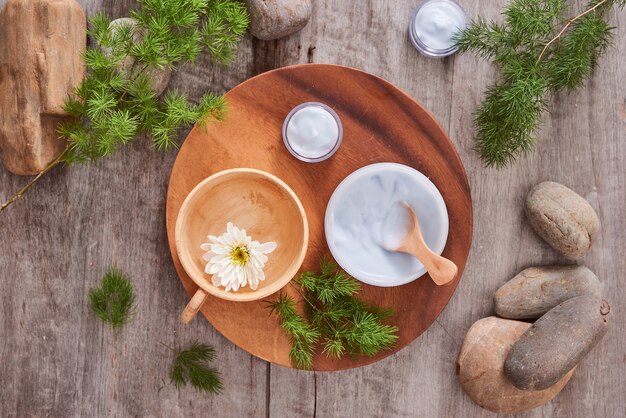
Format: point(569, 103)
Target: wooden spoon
point(441, 270)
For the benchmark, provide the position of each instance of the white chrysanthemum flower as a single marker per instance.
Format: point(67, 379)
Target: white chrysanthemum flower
point(234, 260)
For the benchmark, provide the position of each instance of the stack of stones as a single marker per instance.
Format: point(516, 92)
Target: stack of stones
point(509, 365)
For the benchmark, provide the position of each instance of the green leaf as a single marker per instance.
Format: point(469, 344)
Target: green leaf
point(123, 126)
point(330, 285)
point(368, 336)
point(226, 23)
point(101, 104)
point(334, 348)
point(539, 52)
point(576, 56)
point(191, 365)
point(113, 301)
point(335, 318)
point(116, 102)
point(302, 335)
point(211, 108)
point(100, 29)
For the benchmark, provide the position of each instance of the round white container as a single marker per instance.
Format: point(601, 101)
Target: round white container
point(357, 209)
point(432, 25)
point(312, 132)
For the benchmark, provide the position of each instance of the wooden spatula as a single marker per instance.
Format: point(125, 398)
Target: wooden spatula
point(441, 270)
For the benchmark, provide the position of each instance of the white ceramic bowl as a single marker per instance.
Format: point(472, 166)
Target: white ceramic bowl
point(355, 213)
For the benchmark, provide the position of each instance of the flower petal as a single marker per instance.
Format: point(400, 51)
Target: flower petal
point(207, 269)
point(218, 258)
point(267, 247)
point(254, 283)
point(226, 278)
point(220, 249)
point(208, 256)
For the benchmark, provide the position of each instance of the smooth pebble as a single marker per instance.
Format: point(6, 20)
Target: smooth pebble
point(557, 342)
point(480, 368)
point(565, 220)
point(275, 19)
point(536, 290)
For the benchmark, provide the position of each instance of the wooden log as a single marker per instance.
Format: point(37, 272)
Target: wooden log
point(41, 48)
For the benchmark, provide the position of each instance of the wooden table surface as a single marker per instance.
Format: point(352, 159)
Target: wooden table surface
point(57, 360)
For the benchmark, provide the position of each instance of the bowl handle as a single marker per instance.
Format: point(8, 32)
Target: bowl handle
point(194, 305)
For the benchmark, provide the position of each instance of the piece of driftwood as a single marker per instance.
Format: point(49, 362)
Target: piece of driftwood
point(41, 47)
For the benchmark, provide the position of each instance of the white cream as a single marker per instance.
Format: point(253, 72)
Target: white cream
point(312, 132)
point(395, 227)
point(436, 22)
point(358, 210)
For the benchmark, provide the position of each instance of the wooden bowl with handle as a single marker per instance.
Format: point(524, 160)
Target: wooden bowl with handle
point(253, 200)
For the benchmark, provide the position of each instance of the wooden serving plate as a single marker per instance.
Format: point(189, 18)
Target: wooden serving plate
point(381, 124)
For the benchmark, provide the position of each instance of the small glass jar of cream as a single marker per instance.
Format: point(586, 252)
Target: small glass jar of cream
point(433, 24)
point(312, 132)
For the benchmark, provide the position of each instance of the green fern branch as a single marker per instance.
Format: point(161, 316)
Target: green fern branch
point(539, 52)
point(113, 300)
point(191, 366)
point(335, 319)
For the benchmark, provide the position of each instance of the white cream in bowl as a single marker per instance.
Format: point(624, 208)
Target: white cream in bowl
point(357, 210)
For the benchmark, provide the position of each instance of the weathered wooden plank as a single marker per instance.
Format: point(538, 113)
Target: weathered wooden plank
point(504, 244)
point(59, 361)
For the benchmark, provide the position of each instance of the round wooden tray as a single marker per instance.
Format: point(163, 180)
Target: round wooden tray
point(381, 124)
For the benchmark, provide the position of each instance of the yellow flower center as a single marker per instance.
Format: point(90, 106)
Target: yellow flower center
point(240, 254)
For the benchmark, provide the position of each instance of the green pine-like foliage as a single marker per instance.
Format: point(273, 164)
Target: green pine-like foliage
point(336, 320)
point(539, 52)
point(114, 299)
point(114, 105)
point(191, 365)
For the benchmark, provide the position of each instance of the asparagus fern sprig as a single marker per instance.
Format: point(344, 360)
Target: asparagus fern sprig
point(113, 300)
point(191, 365)
point(116, 104)
point(335, 319)
point(539, 52)
point(303, 336)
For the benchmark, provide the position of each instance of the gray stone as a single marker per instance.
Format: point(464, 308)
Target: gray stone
point(159, 77)
point(536, 290)
point(562, 218)
point(273, 19)
point(480, 368)
point(557, 342)
point(127, 63)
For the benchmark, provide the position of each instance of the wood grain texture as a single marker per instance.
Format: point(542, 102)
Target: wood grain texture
point(381, 124)
point(441, 270)
point(57, 360)
point(48, 38)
